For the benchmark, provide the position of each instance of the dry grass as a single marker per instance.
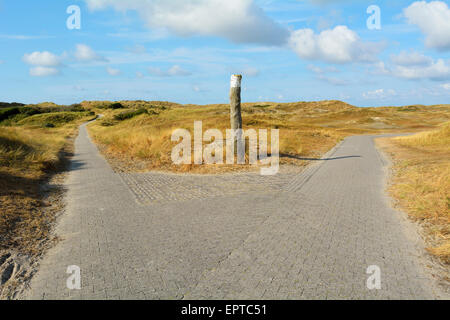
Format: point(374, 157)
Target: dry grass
point(307, 129)
point(421, 183)
point(29, 155)
point(147, 138)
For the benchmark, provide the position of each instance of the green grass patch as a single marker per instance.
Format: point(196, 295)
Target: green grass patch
point(130, 114)
point(54, 119)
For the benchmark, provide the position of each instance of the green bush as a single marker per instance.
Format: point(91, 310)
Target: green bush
point(129, 114)
point(107, 123)
point(76, 108)
point(116, 105)
point(55, 118)
point(30, 111)
point(11, 115)
point(408, 108)
point(8, 112)
point(10, 105)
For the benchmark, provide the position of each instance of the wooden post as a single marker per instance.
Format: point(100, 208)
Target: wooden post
point(235, 102)
point(236, 118)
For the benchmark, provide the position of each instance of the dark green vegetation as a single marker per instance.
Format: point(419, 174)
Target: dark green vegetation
point(129, 114)
point(45, 116)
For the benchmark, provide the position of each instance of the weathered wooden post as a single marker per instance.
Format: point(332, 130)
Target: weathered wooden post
point(235, 102)
point(236, 117)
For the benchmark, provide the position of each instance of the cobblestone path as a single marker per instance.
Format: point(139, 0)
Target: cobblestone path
point(308, 235)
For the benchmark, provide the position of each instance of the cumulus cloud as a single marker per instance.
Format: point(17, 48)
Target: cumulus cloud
point(415, 66)
point(112, 71)
point(240, 21)
point(379, 94)
point(44, 63)
point(84, 53)
point(433, 19)
point(338, 45)
point(321, 74)
point(436, 70)
point(45, 59)
point(40, 71)
point(174, 71)
point(411, 58)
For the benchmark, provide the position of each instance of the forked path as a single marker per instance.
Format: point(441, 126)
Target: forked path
point(291, 236)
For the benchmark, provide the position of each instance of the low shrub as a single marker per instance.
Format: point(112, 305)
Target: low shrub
point(130, 114)
point(107, 123)
point(55, 118)
point(8, 112)
point(10, 105)
point(76, 108)
point(116, 105)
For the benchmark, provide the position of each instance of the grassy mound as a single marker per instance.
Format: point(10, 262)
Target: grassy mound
point(57, 119)
point(422, 182)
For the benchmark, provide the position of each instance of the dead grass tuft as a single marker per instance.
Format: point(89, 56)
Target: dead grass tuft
point(421, 183)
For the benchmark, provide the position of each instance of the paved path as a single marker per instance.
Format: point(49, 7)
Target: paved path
point(292, 236)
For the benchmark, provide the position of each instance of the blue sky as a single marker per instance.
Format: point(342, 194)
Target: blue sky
point(186, 50)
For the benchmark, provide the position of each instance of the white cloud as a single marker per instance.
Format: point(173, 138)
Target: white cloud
point(240, 21)
point(45, 63)
point(333, 80)
point(338, 45)
point(139, 74)
point(45, 59)
point(379, 94)
point(411, 58)
point(321, 75)
point(138, 49)
point(415, 66)
point(250, 72)
point(178, 71)
point(319, 70)
point(112, 71)
point(380, 68)
point(175, 70)
point(84, 53)
point(433, 19)
point(40, 71)
point(445, 86)
point(142, 36)
point(438, 70)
